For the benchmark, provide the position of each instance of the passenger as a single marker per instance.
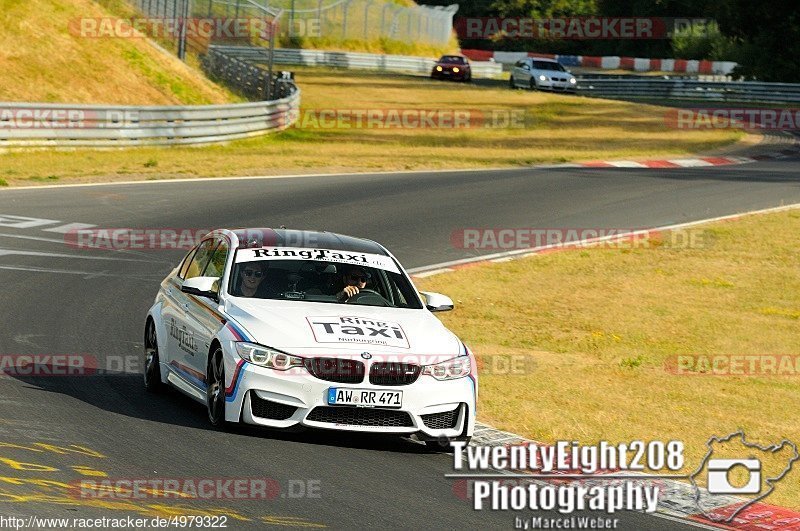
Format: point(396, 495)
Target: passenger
point(251, 276)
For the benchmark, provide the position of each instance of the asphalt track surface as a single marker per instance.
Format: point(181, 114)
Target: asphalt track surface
point(61, 300)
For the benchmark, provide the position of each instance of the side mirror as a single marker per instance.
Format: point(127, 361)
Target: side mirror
point(202, 287)
point(436, 302)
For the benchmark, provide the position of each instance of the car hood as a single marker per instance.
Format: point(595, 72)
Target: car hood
point(320, 329)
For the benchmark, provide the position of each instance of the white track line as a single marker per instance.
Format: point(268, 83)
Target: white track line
point(443, 267)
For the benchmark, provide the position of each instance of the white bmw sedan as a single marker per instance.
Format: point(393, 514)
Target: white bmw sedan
point(282, 328)
point(542, 74)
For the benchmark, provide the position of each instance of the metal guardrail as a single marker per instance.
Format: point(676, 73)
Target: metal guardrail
point(684, 89)
point(251, 81)
point(60, 125)
point(366, 61)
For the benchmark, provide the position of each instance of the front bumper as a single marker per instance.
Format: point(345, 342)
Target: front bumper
point(556, 86)
point(278, 399)
point(449, 74)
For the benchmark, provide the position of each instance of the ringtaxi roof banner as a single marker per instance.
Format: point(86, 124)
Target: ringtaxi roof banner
point(313, 255)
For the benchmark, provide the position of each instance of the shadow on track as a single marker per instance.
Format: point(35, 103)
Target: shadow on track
point(124, 394)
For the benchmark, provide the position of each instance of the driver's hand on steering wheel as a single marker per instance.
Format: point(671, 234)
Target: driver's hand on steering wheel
point(348, 292)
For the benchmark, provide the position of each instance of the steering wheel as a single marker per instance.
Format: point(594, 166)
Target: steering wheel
point(365, 294)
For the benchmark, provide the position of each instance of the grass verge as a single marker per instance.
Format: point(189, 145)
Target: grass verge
point(557, 128)
point(44, 57)
point(598, 332)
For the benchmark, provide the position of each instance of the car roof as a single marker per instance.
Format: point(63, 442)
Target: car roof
point(269, 237)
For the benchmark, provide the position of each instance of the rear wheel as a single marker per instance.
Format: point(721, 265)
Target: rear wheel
point(215, 391)
point(152, 368)
point(511, 82)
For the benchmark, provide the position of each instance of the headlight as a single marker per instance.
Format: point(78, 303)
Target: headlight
point(455, 69)
point(449, 370)
point(572, 80)
point(438, 68)
point(542, 77)
point(267, 357)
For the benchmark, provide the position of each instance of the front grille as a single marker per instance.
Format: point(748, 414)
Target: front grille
point(393, 373)
point(360, 416)
point(336, 369)
point(267, 409)
point(441, 421)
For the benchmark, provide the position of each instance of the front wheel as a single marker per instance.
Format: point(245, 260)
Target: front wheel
point(215, 391)
point(152, 368)
point(533, 85)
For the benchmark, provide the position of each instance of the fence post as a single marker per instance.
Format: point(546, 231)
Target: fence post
point(366, 18)
point(272, 28)
point(291, 20)
point(319, 16)
point(184, 16)
point(345, 8)
point(383, 17)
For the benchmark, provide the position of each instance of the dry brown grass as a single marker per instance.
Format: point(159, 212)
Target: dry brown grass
point(42, 61)
point(557, 128)
point(597, 328)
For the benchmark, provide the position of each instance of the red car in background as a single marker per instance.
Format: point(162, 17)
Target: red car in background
point(454, 67)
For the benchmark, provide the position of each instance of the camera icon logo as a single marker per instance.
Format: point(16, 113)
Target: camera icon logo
point(735, 483)
point(719, 472)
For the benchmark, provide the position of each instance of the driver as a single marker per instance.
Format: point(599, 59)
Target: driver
point(354, 279)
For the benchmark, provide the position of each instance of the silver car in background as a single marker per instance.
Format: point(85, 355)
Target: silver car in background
point(542, 74)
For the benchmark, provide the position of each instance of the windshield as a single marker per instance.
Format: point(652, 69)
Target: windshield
point(452, 59)
point(321, 281)
point(548, 65)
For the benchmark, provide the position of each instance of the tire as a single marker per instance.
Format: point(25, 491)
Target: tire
point(152, 365)
point(511, 83)
point(533, 85)
point(215, 391)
